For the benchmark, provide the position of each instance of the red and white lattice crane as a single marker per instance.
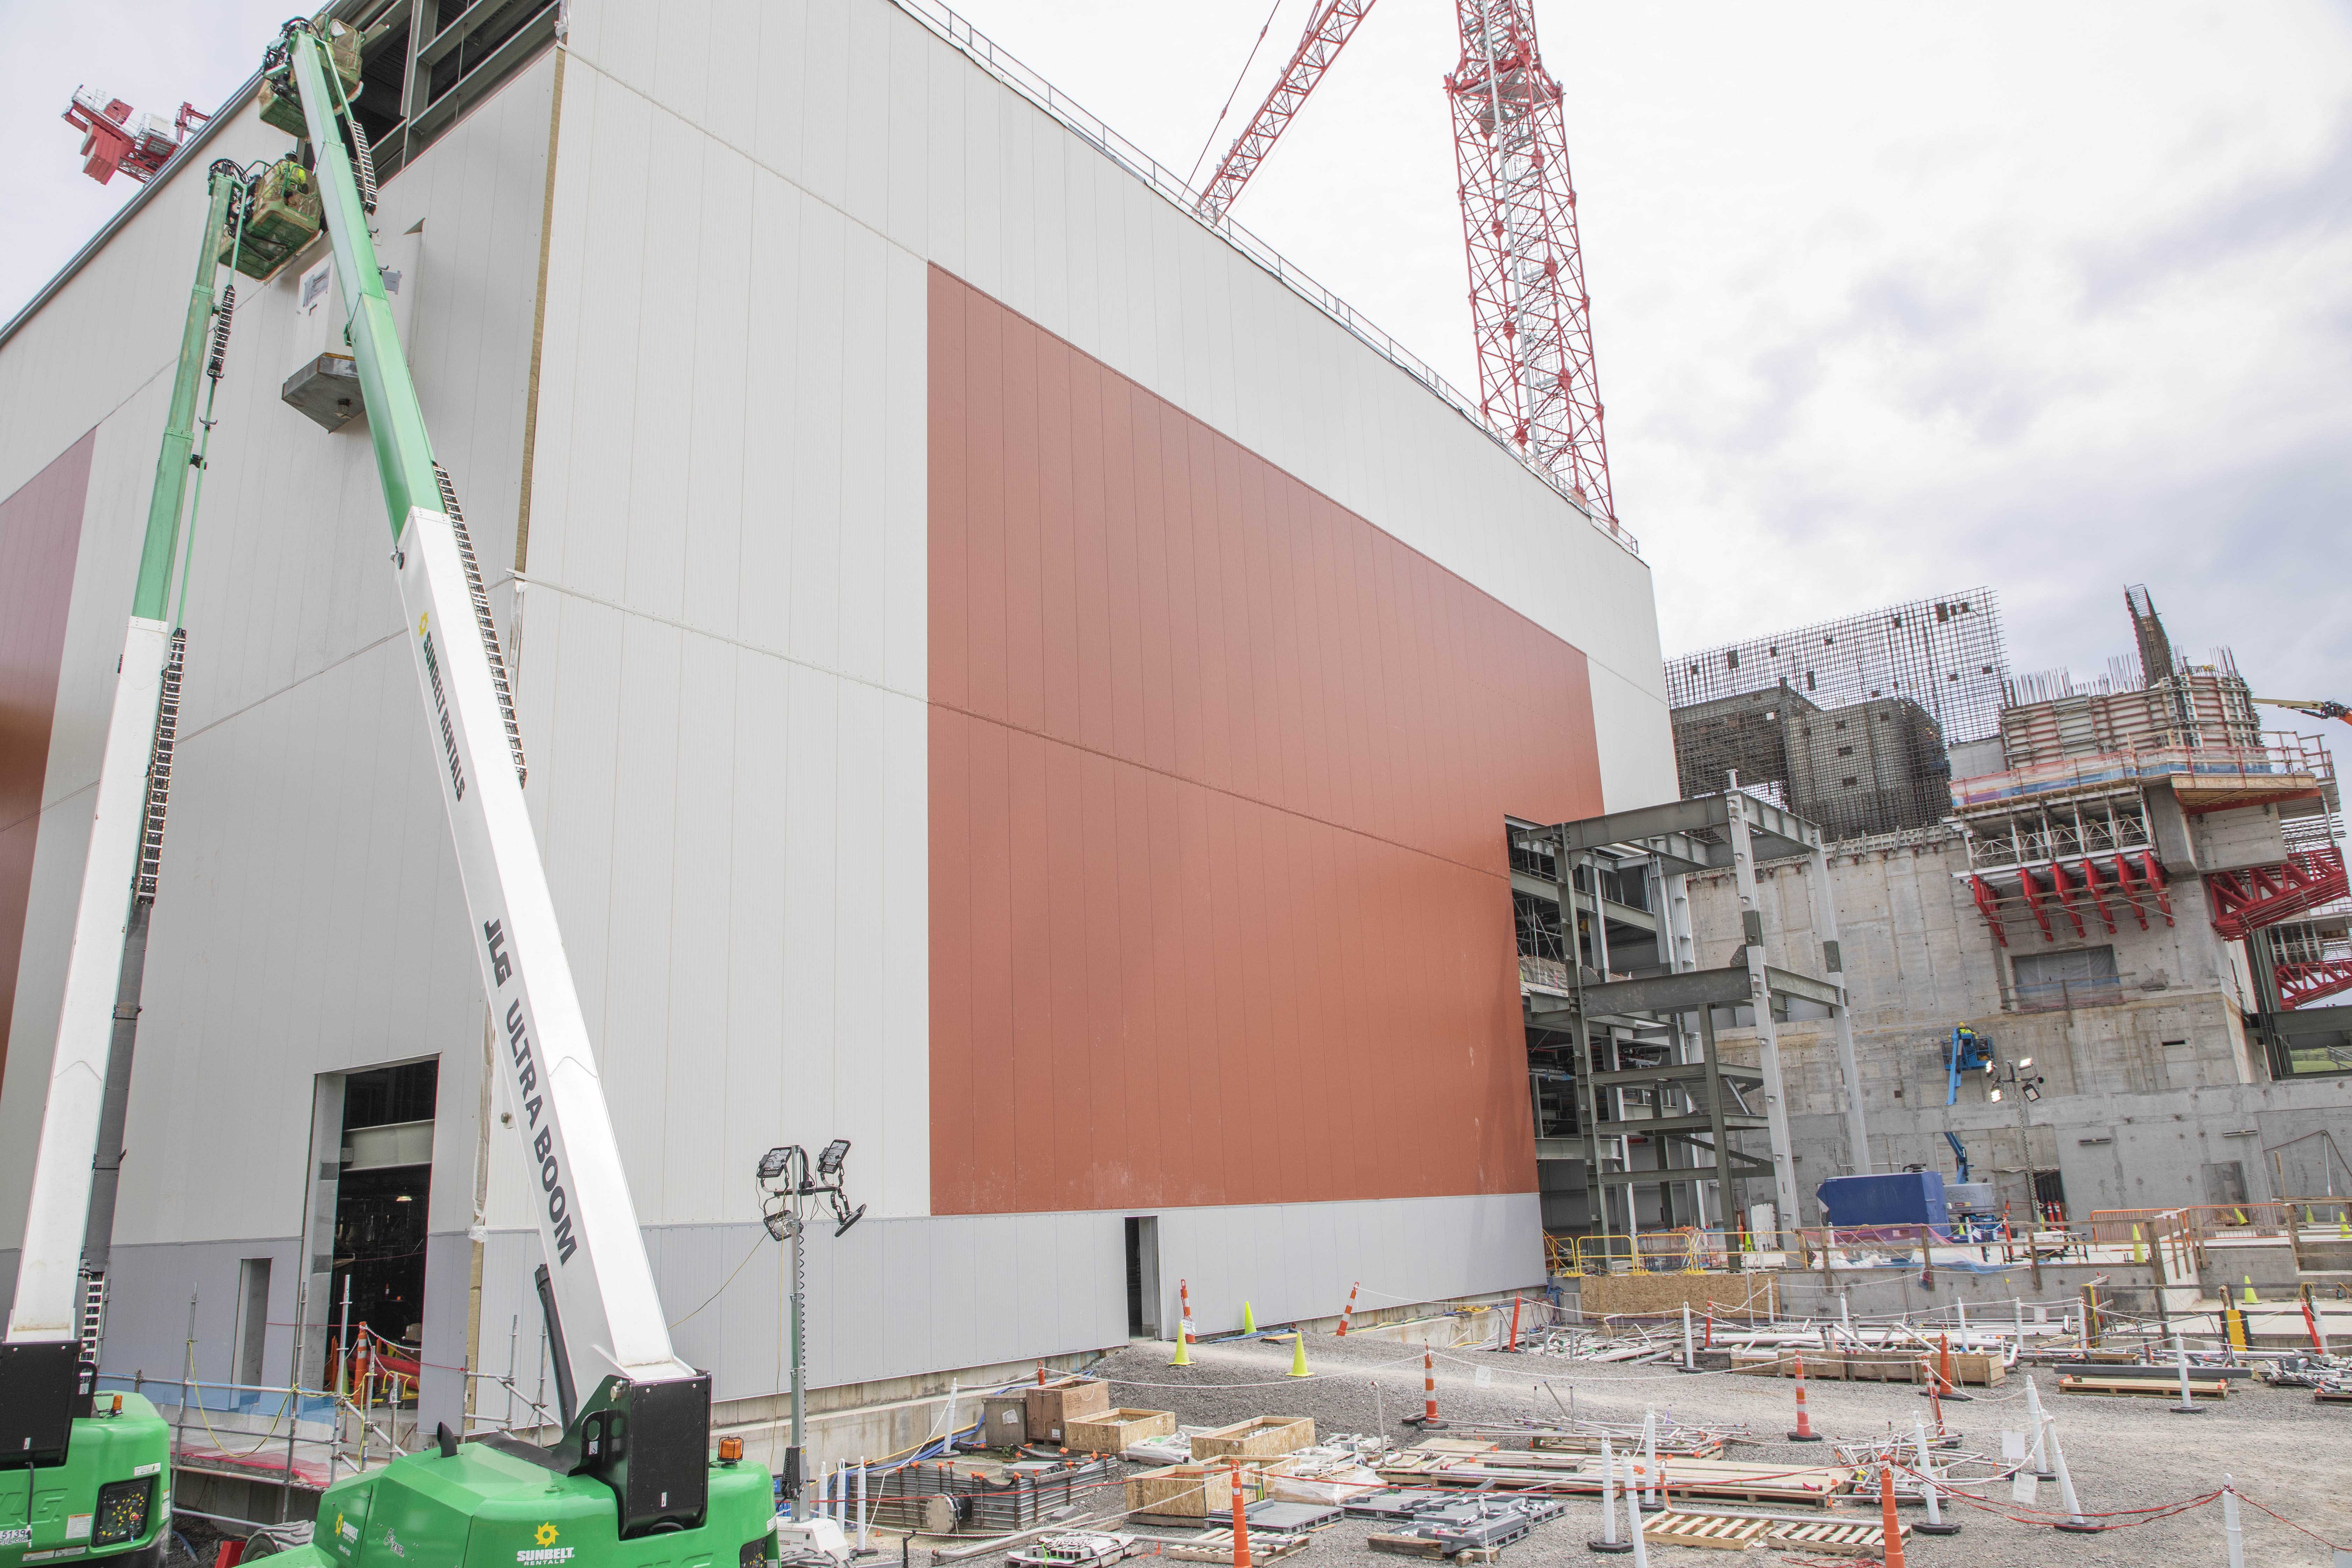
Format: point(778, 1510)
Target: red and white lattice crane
point(1332, 23)
point(1530, 317)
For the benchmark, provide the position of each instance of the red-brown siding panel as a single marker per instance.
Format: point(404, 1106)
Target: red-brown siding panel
point(41, 532)
point(1220, 911)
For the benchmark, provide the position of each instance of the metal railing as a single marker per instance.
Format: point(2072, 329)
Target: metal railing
point(978, 48)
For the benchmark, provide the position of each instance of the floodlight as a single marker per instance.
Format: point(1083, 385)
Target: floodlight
point(2024, 1062)
point(773, 1162)
point(1994, 1095)
point(848, 1220)
point(2032, 1092)
point(829, 1163)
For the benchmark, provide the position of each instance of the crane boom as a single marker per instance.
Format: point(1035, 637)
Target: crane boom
point(611, 1316)
point(1333, 24)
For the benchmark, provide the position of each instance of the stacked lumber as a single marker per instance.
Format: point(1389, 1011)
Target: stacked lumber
point(1521, 1470)
point(1697, 1445)
point(2146, 1387)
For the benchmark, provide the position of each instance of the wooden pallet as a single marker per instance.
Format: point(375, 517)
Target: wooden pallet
point(1217, 1546)
point(1423, 1546)
point(1711, 1531)
point(1835, 1538)
point(2331, 1396)
point(2145, 1388)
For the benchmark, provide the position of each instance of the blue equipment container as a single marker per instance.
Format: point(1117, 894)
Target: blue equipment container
point(1898, 1198)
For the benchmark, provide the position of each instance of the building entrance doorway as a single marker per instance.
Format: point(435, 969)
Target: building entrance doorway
point(387, 1170)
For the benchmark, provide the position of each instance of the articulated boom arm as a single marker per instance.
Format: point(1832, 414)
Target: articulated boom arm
point(611, 1318)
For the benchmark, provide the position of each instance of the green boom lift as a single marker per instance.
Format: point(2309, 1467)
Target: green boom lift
point(85, 1475)
point(630, 1481)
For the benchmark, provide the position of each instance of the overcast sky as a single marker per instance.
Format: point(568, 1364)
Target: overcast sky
point(1888, 297)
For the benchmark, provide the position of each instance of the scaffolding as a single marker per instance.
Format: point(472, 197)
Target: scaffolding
point(1848, 722)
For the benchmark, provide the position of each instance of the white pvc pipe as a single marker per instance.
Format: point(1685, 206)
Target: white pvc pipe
point(863, 1535)
point(2229, 1530)
point(1608, 1494)
point(1633, 1523)
point(1927, 1470)
point(2066, 1482)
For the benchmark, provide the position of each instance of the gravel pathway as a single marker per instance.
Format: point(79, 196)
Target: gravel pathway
point(2283, 1449)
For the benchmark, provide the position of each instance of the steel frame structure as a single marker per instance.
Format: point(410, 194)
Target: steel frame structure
point(1603, 1015)
point(1530, 317)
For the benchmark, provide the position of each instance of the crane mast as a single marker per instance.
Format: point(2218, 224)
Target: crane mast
point(1530, 317)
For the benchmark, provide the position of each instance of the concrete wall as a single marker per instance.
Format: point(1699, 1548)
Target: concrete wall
point(2145, 1103)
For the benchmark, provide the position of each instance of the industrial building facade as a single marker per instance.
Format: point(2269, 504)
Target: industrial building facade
point(1009, 678)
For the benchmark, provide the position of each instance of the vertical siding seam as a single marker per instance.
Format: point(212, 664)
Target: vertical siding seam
point(538, 330)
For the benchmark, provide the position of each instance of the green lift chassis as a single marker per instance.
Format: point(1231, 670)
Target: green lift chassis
point(106, 1497)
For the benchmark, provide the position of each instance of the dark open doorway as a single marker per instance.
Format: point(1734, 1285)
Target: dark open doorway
point(1144, 1276)
point(380, 1204)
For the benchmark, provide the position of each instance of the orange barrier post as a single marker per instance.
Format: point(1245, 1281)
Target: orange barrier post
point(1349, 1310)
point(1804, 1432)
point(1241, 1525)
point(1952, 1389)
point(1427, 1420)
point(1893, 1554)
point(1514, 1321)
point(2311, 1323)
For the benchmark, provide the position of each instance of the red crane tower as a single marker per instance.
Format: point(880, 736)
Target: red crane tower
point(1530, 315)
point(1530, 318)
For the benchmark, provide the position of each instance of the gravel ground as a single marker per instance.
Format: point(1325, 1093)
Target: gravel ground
point(2283, 1449)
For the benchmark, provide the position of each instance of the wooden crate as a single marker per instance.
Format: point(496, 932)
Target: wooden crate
point(1262, 1438)
point(1882, 1366)
point(1977, 1368)
point(1198, 1491)
point(1182, 1491)
point(1821, 1366)
point(1052, 1406)
point(1004, 1420)
point(1115, 1431)
point(1709, 1532)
